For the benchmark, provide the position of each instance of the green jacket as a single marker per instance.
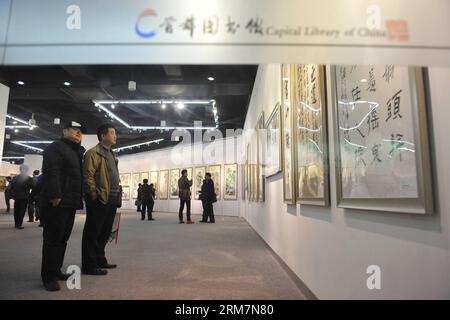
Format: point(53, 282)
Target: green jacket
point(95, 173)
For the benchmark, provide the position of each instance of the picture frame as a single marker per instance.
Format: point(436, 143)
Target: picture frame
point(311, 134)
point(173, 186)
point(144, 175)
point(273, 142)
point(216, 175)
point(125, 179)
point(199, 176)
point(163, 185)
point(230, 189)
point(125, 193)
point(287, 140)
point(243, 180)
point(260, 158)
point(153, 178)
point(395, 174)
point(136, 179)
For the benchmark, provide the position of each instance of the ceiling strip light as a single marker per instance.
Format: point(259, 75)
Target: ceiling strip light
point(137, 145)
point(29, 147)
point(113, 115)
point(32, 142)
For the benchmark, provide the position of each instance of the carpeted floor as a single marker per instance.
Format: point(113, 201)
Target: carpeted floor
point(158, 259)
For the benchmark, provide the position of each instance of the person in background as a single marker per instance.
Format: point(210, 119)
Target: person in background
point(146, 196)
point(20, 191)
point(102, 187)
point(61, 196)
point(8, 194)
point(139, 205)
point(184, 193)
point(208, 197)
point(33, 206)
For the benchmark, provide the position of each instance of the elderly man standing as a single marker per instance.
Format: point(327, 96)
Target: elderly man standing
point(102, 188)
point(61, 196)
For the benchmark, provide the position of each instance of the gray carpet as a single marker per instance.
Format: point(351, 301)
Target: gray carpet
point(157, 260)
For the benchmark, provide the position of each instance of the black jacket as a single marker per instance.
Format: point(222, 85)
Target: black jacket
point(146, 193)
point(207, 192)
point(62, 174)
point(21, 186)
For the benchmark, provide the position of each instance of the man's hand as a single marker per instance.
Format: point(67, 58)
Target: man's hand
point(55, 202)
point(93, 195)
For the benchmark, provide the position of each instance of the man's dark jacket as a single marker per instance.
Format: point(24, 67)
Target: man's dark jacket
point(62, 174)
point(207, 193)
point(146, 193)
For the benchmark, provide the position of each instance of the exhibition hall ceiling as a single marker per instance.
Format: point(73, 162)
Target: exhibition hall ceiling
point(137, 99)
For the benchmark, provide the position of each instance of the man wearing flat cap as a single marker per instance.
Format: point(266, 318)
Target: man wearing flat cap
point(61, 196)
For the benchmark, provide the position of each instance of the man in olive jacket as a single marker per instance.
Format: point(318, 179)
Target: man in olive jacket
point(101, 182)
point(184, 193)
point(61, 196)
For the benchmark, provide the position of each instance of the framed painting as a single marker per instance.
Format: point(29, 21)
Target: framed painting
point(216, 172)
point(260, 157)
point(125, 192)
point(287, 135)
point(125, 179)
point(243, 180)
point(143, 175)
point(273, 143)
point(135, 184)
point(230, 182)
point(173, 186)
point(163, 185)
point(381, 139)
point(189, 173)
point(154, 180)
point(310, 124)
point(198, 180)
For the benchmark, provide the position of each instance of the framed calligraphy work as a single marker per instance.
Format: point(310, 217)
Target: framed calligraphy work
point(310, 127)
point(381, 139)
point(287, 135)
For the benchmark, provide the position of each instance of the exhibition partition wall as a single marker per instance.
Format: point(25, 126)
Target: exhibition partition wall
point(217, 157)
point(392, 220)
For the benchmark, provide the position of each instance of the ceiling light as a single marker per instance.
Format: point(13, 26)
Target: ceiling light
point(137, 145)
point(67, 83)
point(20, 83)
point(131, 85)
point(27, 146)
point(57, 121)
point(211, 78)
point(163, 106)
point(16, 130)
point(14, 122)
point(112, 106)
point(180, 105)
point(363, 80)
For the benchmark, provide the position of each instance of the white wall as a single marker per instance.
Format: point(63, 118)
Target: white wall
point(169, 159)
point(330, 248)
point(4, 98)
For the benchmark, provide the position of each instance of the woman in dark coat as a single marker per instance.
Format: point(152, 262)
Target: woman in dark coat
point(208, 197)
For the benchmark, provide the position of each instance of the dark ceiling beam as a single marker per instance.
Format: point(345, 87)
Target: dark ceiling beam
point(153, 91)
point(79, 72)
point(173, 72)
